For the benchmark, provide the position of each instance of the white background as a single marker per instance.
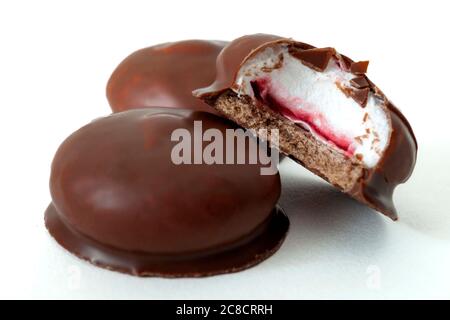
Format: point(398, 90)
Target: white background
point(55, 60)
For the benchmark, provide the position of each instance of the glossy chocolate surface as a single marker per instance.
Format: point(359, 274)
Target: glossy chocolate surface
point(164, 76)
point(229, 61)
point(249, 251)
point(376, 186)
point(121, 203)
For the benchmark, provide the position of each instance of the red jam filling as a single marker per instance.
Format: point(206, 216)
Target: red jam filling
point(288, 107)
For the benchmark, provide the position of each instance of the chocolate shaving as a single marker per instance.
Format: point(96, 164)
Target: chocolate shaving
point(361, 96)
point(359, 82)
point(366, 117)
point(345, 90)
point(277, 65)
point(359, 67)
point(344, 62)
point(316, 59)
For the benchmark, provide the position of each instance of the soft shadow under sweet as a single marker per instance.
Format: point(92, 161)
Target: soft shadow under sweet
point(423, 202)
point(323, 218)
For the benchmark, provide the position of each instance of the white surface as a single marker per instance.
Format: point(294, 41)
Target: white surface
point(55, 59)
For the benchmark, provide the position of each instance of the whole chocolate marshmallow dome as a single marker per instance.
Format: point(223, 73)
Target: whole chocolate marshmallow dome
point(120, 202)
point(164, 76)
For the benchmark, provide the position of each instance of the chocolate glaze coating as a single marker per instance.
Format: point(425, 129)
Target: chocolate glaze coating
point(376, 186)
point(121, 203)
point(229, 61)
point(249, 251)
point(164, 76)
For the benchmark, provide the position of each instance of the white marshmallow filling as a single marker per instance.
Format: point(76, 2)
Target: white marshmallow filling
point(316, 101)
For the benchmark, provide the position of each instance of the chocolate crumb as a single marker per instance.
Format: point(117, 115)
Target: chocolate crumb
point(280, 61)
point(359, 67)
point(277, 65)
point(345, 90)
point(366, 116)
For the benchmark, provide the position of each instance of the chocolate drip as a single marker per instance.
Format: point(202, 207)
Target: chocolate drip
point(244, 253)
point(377, 186)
